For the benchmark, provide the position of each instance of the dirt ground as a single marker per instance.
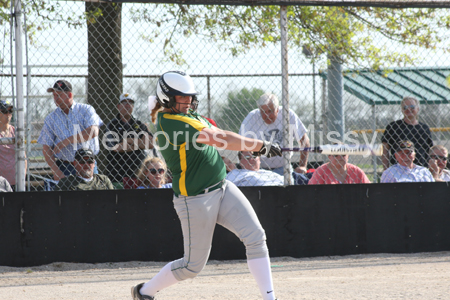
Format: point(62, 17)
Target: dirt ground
point(377, 276)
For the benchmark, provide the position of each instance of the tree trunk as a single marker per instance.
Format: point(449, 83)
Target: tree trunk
point(105, 82)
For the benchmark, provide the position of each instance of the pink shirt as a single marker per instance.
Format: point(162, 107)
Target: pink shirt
point(323, 175)
point(8, 158)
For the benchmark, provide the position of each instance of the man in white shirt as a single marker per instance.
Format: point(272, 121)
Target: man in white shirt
point(251, 174)
point(266, 122)
point(438, 163)
point(405, 170)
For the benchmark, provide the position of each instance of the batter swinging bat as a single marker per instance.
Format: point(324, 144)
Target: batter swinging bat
point(376, 149)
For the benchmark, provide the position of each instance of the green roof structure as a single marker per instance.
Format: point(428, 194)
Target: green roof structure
point(389, 86)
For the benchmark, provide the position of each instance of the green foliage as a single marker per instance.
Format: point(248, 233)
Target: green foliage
point(237, 107)
point(350, 34)
point(41, 14)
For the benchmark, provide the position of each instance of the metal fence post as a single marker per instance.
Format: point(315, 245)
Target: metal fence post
point(20, 130)
point(335, 102)
point(285, 93)
point(374, 128)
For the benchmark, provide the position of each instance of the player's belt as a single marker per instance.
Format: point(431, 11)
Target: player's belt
point(213, 187)
point(209, 189)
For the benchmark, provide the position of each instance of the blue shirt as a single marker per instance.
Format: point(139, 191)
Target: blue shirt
point(59, 126)
point(398, 173)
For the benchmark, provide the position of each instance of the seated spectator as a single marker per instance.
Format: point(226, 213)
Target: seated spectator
point(438, 163)
point(85, 179)
point(405, 170)
point(152, 174)
point(251, 173)
point(4, 185)
point(338, 171)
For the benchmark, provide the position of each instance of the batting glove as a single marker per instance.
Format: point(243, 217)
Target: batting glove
point(269, 149)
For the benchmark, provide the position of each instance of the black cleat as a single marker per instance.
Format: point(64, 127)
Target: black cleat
point(137, 296)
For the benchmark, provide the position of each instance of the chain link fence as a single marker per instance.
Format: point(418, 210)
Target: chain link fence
point(105, 50)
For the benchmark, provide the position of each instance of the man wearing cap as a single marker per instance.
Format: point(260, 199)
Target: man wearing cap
point(69, 127)
point(126, 139)
point(405, 170)
point(8, 152)
point(85, 179)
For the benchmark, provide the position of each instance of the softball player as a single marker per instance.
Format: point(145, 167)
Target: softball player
point(202, 196)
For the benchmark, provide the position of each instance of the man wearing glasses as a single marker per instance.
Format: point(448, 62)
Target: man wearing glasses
point(405, 170)
point(8, 152)
point(266, 122)
point(251, 174)
point(85, 179)
point(408, 128)
point(438, 163)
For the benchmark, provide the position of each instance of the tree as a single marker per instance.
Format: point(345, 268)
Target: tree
point(104, 57)
point(352, 34)
point(41, 14)
point(237, 107)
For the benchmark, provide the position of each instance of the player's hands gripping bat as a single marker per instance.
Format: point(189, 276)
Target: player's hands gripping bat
point(269, 149)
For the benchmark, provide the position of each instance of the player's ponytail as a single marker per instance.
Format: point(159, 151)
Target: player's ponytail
point(155, 111)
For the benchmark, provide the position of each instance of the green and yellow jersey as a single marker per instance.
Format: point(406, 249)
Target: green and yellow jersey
point(194, 166)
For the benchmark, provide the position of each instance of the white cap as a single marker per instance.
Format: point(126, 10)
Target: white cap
point(125, 97)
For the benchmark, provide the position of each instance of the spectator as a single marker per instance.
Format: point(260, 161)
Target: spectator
point(8, 152)
point(408, 128)
point(4, 185)
point(69, 127)
point(438, 163)
point(127, 139)
point(338, 171)
point(266, 123)
point(251, 174)
point(85, 179)
point(194, 106)
point(152, 174)
point(405, 170)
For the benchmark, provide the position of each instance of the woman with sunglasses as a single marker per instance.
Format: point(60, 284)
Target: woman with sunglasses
point(408, 128)
point(8, 152)
point(152, 174)
point(438, 163)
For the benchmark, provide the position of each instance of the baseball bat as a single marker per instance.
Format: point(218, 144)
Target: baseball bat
point(376, 149)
